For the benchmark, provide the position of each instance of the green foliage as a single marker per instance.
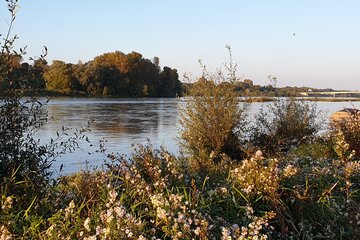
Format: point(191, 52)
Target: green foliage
point(212, 119)
point(20, 75)
point(119, 74)
point(25, 175)
point(114, 74)
point(24, 162)
point(285, 123)
point(58, 76)
point(169, 84)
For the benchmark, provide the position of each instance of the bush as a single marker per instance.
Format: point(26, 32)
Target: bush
point(284, 124)
point(212, 119)
point(24, 162)
point(349, 128)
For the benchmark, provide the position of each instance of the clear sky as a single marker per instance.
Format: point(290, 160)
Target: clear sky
point(325, 51)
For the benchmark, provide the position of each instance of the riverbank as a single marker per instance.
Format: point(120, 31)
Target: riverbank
point(331, 99)
point(312, 99)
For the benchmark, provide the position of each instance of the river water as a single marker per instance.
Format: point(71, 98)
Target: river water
point(121, 123)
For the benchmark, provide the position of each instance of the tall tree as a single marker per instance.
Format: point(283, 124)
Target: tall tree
point(170, 86)
point(59, 76)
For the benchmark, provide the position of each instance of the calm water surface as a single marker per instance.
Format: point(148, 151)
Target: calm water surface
point(123, 123)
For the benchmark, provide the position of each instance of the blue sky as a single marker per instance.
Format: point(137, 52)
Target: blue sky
point(325, 51)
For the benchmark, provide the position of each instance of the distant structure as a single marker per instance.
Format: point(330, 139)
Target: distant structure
point(310, 93)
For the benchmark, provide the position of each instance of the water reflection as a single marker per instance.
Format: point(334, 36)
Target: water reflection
point(120, 122)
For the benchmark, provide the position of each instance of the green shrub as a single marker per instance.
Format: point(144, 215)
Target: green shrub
point(212, 119)
point(24, 162)
point(284, 124)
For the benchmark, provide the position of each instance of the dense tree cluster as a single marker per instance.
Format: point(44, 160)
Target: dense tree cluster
point(110, 74)
point(21, 75)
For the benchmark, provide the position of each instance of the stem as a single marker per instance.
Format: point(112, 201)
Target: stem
point(11, 7)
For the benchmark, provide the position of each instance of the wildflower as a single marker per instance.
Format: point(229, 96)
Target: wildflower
point(197, 231)
point(244, 231)
point(225, 234)
point(70, 209)
point(141, 237)
point(108, 217)
point(223, 190)
point(5, 234)
point(258, 154)
point(290, 170)
point(186, 226)
point(120, 211)
point(181, 218)
point(72, 204)
point(112, 196)
point(179, 235)
point(86, 224)
point(99, 231)
point(160, 213)
point(7, 204)
point(128, 233)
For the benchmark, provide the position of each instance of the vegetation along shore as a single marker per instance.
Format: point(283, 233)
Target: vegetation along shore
point(281, 176)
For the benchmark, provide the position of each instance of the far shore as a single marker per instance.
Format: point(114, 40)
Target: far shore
point(79, 94)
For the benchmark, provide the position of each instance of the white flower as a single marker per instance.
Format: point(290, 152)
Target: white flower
point(7, 204)
point(5, 234)
point(223, 190)
point(70, 209)
point(258, 154)
point(112, 196)
point(99, 231)
point(120, 211)
point(289, 171)
point(86, 224)
point(72, 205)
point(160, 213)
point(225, 233)
point(197, 231)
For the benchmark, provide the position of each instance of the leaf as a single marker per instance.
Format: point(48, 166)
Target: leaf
point(26, 214)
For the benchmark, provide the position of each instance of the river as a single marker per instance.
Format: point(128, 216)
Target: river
point(121, 123)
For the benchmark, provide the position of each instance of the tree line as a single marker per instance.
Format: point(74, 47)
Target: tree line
point(110, 74)
point(116, 74)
